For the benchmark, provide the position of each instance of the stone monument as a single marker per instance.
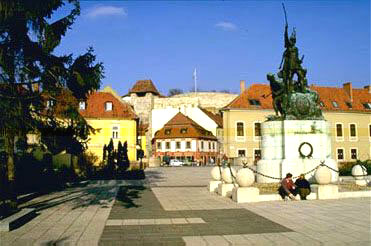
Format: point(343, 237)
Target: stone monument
point(297, 138)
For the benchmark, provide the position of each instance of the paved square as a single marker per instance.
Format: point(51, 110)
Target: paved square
point(79, 216)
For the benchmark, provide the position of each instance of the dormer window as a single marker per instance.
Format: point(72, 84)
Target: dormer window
point(349, 104)
point(82, 105)
point(183, 130)
point(167, 131)
point(108, 106)
point(367, 105)
point(335, 104)
point(254, 102)
point(50, 103)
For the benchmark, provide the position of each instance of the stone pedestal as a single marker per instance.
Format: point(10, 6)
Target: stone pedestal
point(245, 194)
point(361, 182)
point(326, 191)
point(213, 185)
point(225, 189)
point(282, 142)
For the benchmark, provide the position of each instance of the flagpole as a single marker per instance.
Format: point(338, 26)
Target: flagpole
point(195, 79)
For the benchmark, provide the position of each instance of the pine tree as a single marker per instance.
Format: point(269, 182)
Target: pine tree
point(31, 73)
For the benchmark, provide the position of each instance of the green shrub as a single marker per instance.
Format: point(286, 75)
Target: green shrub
point(345, 168)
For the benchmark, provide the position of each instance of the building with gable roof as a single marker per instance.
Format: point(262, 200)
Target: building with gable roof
point(347, 109)
point(184, 139)
point(112, 119)
point(154, 109)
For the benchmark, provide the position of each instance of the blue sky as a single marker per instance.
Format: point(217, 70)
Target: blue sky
point(227, 41)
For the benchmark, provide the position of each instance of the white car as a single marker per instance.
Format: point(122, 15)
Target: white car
point(176, 163)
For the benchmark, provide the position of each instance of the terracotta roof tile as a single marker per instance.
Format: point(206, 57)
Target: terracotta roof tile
point(181, 126)
point(262, 93)
point(143, 86)
point(95, 107)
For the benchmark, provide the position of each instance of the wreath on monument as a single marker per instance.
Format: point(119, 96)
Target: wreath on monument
point(305, 153)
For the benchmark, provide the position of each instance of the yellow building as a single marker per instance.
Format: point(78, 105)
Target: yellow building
point(112, 119)
point(347, 109)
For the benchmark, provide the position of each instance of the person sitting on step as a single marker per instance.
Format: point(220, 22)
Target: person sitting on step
point(303, 187)
point(287, 188)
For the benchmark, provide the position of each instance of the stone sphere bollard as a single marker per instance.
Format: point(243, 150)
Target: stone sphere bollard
point(359, 170)
point(245, 177)
point(322, 175)
point(215, 173)
point(226, 175)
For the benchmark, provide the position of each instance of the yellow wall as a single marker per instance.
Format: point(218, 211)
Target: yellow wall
point(103, 135)
point(362, 143)
point(143, 144)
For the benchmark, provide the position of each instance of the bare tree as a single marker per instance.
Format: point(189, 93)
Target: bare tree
point(176, 91)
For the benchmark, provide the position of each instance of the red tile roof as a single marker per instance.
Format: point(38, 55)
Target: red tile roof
point(262, 92)
point(142, 129)
point(95, 107)
point(175, 128)
point(144, 86)
point(217, 118)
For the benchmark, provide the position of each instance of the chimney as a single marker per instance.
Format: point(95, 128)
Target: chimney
point(348, 89)
point(242, 86)
point(368, 88)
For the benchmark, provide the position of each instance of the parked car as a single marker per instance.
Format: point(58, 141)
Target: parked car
point(176, 163)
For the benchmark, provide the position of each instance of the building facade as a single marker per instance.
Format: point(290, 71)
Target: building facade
point(348, 110)
point(184, 139)
point(112, 119)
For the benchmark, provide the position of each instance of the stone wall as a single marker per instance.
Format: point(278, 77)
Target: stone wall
point(209, 100)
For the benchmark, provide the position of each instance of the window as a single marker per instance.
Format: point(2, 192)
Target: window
point(367, 105)
point(115, 132)
point(241, 152)
point(50, 103)
point(340, 154)
point(240, 130)
point(335, 104)
point(213, 145)
point(257, 154)
point(183, 130)
point(82, 105)
point(339, 130)
point(353, 154)
point(254, 102)
point(209, 145)
point(188, 144)
point(167, 131)
point(369, 131)
point(257, 127)
point(349, 104)
point(159, 146)
point(353, 131)
point(108, 106)
point(202, 145)
point(167, 145)
point(321, 104)
point(177, 145)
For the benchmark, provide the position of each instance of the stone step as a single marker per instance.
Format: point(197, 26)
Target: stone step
point(17, 219)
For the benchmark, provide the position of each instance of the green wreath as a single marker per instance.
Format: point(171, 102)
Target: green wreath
point(301, 153)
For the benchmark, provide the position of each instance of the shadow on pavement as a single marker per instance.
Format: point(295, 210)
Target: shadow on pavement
point(127, 195)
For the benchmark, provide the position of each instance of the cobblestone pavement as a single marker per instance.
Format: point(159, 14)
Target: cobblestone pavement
point(173, 207)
